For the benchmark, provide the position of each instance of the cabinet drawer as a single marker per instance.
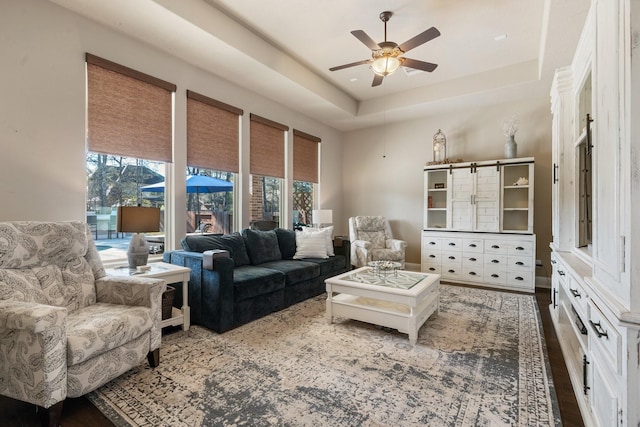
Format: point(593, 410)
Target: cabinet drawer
point(607, 338)
point(518, 263)
point(431, 268)
point(472, 246)
point(472, 273)
point(451, 272)
point(495, 247)
point(473, 259)
point(495, 275)
point(451, 257)
point(578, 296)
point(433, 243)
point(498, 261)
point(451, 244)
point(520, 248)
point(520, 278)
point(431, 256)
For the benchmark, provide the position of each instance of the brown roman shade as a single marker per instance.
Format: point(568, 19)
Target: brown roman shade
point(267, 147)
point(129, 113)
point(213, 132)
point(305, 157)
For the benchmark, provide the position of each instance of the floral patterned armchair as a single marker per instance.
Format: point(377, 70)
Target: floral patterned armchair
point(372, 240)
point(65, 327)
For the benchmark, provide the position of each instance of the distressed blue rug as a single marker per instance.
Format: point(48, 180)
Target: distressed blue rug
point(480, 362)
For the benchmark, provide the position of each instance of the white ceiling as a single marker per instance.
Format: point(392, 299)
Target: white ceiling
point(283, 49)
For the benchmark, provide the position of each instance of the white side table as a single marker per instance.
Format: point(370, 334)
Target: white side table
point(171, 274)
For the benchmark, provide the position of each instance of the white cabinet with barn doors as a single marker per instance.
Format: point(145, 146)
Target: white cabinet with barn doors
point(478, 223)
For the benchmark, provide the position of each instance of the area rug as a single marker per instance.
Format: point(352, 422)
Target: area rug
point(480, 362)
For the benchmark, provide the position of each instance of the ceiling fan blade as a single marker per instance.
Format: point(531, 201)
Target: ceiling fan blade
point(419, 65)
point(353, 64)
point(364, 38)
point(377, 80)
point(421, 38)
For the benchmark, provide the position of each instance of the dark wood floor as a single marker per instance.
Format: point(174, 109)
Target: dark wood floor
point(81, 413)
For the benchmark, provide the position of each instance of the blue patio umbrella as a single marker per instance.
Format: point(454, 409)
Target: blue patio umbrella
point(195, 184)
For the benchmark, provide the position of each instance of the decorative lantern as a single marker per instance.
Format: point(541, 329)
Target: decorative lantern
point(439, 147)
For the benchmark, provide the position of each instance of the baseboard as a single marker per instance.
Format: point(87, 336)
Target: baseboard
point(412, 266)
point(543, 282)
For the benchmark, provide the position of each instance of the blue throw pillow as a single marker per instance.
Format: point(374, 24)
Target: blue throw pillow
point(262, 246)
point(287, 242)
point(234, 243)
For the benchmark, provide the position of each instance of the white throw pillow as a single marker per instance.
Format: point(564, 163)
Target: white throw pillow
point(327, 232)
point(310, 245)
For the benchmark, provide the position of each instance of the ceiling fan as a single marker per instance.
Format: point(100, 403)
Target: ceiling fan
point(386, 56)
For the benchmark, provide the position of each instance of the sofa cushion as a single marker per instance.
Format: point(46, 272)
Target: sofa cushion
point(250, 281)
point(331, 265)
point(262, 246)
point(100, 327)
point(233, 242)
point(287, 242)
point(294, 271)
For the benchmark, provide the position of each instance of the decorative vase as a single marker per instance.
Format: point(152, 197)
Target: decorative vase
point(510, 148)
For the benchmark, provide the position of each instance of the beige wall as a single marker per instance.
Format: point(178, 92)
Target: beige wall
point(42, 111)
point(393, 185)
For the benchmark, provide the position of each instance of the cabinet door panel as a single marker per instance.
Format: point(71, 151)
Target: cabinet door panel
point(462, 187)
point(487, 199)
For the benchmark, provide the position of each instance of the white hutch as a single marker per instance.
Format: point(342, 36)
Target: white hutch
point(478, 223)
point(596, 214)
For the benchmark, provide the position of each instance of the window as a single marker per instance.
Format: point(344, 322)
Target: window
point(267, 140)
point(113, 181)
point(129, 141)
point(213, 132)
point(305, 176)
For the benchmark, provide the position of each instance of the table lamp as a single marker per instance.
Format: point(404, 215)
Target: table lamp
point(322, 216)
point(138, 220)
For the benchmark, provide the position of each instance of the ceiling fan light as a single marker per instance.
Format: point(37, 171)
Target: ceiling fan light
point(385, 65)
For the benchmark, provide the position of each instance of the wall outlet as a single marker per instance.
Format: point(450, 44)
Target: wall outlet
point(538, 263)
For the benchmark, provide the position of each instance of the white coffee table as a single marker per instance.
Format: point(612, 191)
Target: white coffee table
point(171, 274)
point(402, 301)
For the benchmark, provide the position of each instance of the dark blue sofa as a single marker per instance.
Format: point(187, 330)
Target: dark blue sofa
point(239, 277)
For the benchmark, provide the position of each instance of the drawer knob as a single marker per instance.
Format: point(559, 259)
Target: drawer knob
point(519, 248)
point(472, 259)
point(495, 276)
point(451, 244)
point(560, 272)
point(495, 261)
point(495, 247)
point(432, 269)
point(519, 278)
point(553, 261)
point(599, 330)
point(432, 256)
point(452, 271)
point(452, 257)
point(432, 243)
point(472, 245)
point(575, 293)
point(472, 273)
point(519, 263)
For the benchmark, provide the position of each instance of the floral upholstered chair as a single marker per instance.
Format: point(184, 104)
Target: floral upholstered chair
point(65, 327)
point(372, 240)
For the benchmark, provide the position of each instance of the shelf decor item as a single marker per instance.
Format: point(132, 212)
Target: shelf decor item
point(439, 147)
point(510, 128)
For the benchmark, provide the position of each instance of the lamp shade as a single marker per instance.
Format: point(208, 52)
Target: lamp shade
point(385, 65)
point(138, 219)
point(322, 216)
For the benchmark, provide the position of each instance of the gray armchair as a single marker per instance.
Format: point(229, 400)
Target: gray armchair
point(372, 240)
point(65, 327)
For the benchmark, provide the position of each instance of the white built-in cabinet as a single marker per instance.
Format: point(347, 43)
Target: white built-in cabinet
point(595, 284)
point(478, 223)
